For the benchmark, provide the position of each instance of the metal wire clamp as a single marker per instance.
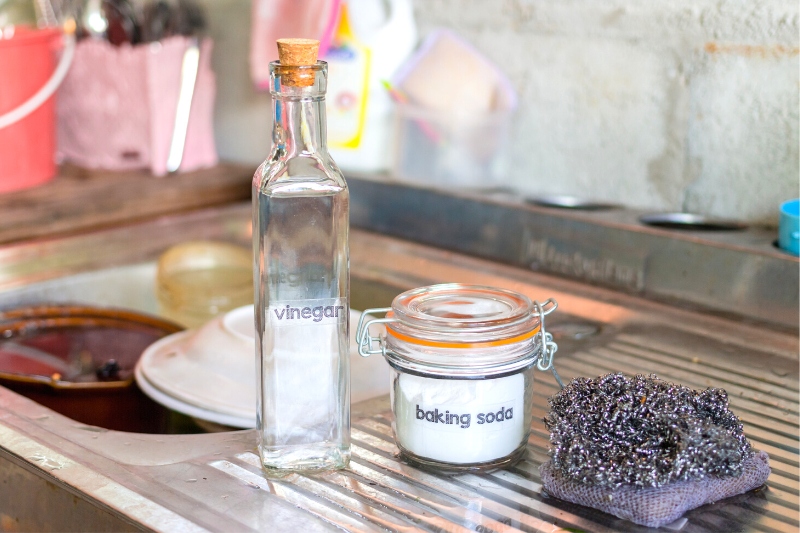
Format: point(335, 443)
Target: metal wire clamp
point(549, 347)
point(364, 339)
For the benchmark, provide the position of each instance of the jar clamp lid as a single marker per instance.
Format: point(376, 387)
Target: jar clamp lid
point(461, 331)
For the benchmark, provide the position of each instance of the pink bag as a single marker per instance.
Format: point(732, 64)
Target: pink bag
point(116, 108)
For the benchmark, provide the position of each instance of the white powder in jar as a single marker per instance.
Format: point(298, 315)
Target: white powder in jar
point(460, 421)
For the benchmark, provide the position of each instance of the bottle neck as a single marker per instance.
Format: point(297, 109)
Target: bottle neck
point(299, 126)
point(298, 99)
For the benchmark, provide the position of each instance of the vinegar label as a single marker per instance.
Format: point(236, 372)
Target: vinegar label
point(307, 312)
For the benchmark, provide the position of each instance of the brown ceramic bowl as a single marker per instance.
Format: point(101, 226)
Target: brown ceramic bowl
point(79, 361)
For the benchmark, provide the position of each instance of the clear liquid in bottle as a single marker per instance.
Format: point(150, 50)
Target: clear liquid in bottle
point(300, 231)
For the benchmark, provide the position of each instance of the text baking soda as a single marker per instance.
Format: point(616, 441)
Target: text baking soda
point(463, 360)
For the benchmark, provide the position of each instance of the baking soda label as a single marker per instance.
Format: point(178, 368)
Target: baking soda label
point(307, 312)
point(442, 417)
point(460, 421)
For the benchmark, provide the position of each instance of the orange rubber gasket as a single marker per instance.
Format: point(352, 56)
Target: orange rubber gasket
point(437, 344)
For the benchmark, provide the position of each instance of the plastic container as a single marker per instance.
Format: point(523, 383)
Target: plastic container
point(463, 360)
point(27, 147)
point(441, 150)
point(789, 227)
point(455, 115)
point(199, 280)
point(373, 39)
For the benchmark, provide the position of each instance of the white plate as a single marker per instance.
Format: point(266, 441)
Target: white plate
point(170, 366)
point(208, 373)
point(188, 409)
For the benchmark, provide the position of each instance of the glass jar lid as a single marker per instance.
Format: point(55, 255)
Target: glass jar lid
point(459, 331)
point(456, 330)
point(455, 315)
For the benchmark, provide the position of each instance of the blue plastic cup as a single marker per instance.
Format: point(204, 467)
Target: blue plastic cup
point(789, 227)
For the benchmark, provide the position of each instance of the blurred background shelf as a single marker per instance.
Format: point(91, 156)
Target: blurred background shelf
point(80, 200)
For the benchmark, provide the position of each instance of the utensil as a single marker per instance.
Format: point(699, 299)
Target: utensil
point(93, 19)
point(111, 20)
point(189, 20)
point(189, 67)
point(158, 19)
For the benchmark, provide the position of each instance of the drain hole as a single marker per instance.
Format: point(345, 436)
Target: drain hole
point(690, 222)
point(569, 202)
point(573, 330)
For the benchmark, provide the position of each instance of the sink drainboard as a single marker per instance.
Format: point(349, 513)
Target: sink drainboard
point(202, 482)
point(380, 491)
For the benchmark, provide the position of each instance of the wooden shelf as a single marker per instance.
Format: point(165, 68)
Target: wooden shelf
point(80, 200)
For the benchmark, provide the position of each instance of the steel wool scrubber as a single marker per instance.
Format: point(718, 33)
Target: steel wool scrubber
point(646, 450)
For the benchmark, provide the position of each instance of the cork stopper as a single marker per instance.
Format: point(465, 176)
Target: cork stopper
point(298, 53)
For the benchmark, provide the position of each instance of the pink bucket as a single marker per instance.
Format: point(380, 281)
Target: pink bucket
point(27, 147)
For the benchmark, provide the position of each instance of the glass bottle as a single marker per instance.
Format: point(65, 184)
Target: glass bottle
point(301, 271)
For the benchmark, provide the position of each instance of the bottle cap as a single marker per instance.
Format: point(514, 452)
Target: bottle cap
point(298, 53)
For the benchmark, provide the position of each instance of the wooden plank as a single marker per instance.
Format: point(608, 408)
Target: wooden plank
point(79, 200)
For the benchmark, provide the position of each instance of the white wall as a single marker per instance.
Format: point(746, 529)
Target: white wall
point(669, 104)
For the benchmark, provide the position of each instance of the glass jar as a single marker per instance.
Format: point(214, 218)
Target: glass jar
point(462, 359)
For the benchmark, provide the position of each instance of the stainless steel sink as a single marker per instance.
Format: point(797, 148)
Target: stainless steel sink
point(132, 287)
point(108, 480)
